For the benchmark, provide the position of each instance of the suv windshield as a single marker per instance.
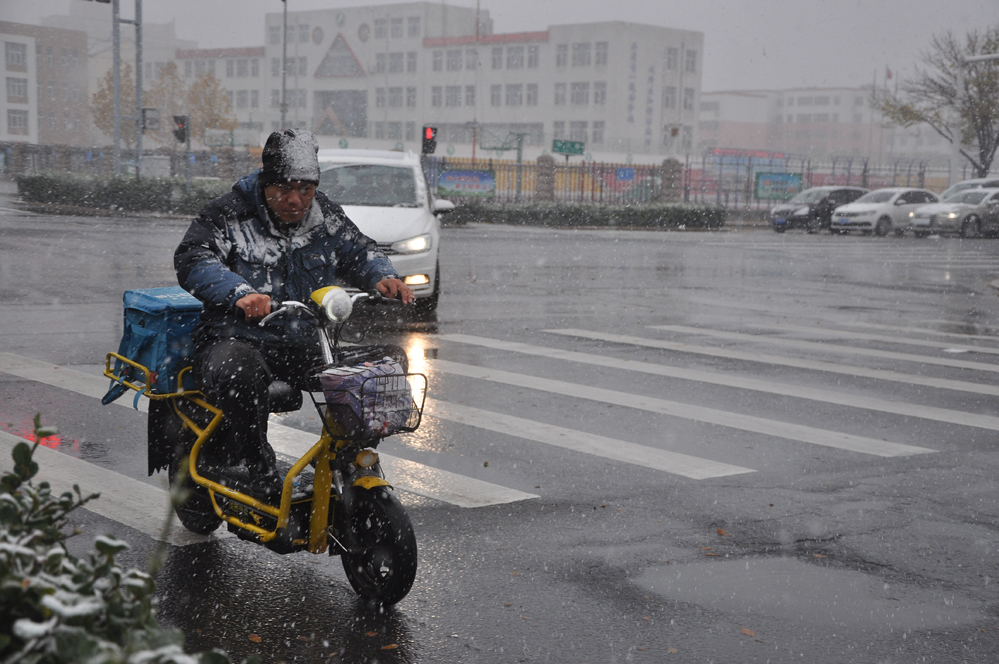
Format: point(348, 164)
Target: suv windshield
point(877, 197)
point(363, 184)
point(810, 196)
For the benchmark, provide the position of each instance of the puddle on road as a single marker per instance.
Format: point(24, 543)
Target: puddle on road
point(788, 589)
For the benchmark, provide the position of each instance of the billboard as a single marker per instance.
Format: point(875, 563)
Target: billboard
point(466, 183)
point(777, 186)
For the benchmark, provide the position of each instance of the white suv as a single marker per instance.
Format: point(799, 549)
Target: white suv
point(386, 195)
point(881, 211)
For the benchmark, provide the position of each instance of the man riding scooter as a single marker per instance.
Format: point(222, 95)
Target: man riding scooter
point(273, 238)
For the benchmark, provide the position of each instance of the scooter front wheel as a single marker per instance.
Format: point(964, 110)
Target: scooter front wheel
point(382, 563)
point(196, 512)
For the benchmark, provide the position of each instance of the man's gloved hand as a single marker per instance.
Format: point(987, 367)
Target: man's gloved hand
point(255, 306)
point(394, 288)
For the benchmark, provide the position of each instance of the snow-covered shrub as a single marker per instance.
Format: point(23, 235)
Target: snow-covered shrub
point(559, 214)
point(59, 609)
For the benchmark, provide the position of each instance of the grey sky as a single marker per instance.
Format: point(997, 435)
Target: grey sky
point(748, 43)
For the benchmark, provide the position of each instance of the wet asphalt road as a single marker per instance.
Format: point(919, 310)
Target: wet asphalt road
point(835, 500)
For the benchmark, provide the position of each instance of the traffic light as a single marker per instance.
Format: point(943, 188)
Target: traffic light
point(429, 139)
point(180, 133)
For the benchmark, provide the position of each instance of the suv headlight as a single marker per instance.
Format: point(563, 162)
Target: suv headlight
point(414, 245)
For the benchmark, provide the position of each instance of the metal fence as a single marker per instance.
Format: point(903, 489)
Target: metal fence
point(722, 180)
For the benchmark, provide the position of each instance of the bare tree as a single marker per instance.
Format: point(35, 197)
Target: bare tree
point(209, 107)
point(169, 95)
point(961, 106)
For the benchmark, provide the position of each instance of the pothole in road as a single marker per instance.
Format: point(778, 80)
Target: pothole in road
point(788, 589)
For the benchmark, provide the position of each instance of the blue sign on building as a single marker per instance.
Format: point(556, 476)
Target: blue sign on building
point(626, 174)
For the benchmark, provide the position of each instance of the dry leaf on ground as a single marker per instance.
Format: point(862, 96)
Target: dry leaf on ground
point(391, 646)
point(747, 631)
point(722, 533)
point(255, 638)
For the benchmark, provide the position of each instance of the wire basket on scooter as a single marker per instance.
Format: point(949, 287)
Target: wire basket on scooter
point(372, 400)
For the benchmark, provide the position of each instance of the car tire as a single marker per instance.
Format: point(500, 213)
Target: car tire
point(899, 232)
point(428, 306)
point(970, 228)
point(883, 227)
point(779, 229)
point(920, 234)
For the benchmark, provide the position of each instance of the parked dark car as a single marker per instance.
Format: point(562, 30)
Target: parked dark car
point(812, 208)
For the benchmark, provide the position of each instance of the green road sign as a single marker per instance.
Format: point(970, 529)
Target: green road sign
point(568, 147)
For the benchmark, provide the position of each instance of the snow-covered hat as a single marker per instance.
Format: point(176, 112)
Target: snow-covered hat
point(290, 155)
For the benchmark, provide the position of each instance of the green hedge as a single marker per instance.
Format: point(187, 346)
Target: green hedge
point(125, 193)
point(569, 215)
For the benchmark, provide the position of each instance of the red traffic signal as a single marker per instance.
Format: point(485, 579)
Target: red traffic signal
point(429, 139)
point(180, 133)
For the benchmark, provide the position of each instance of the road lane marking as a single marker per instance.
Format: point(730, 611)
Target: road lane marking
point(588, 443)
point(830, 332)
point(406, 475)
point(730, 380)
point(876, 326)
point(795, 432)
point(780, 360)
point(128, 501)
point(828, 348)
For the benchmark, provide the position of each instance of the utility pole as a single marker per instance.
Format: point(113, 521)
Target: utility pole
point(138, 89)
point(116, 21)
point(284, 68)
point(116, 65)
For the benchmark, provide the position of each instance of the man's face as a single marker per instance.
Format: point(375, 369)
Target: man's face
point(290, 200)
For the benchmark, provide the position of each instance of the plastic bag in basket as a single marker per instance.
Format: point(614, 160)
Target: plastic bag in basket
point(369, 400)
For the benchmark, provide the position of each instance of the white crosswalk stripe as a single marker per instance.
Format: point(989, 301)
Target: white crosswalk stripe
point(938, 333)
point(781, 360)
point(731, 380)
point(828, 348)
point(829, 332)
point(795, 432)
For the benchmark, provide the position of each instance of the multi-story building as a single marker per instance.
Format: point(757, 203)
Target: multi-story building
point(240, 70)
point(372, 76)
point(46, 85)
point(812, 122)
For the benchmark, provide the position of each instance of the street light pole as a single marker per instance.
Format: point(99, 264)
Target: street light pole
point(116, 67)
point(284, 67)
point(138, 89)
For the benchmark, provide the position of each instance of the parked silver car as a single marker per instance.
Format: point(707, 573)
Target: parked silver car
point(970, 213)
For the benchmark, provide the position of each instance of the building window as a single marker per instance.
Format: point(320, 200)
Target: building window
point(804, 117)
point(532, 56)
point(255, 67)
point(395, 128)
point(822, 101)
point(820, 117)
point(211, 67)
point(396, 27)
point(498, 57)
point(600, 93)
point(496, 95)
point(669, 96)
point(691, 62)
point(395, 97)
point(577, 131)
point(515, 57)
point(274, 34)
point(452, 95)
point(411, 62)
point(688, 99)
point(580, 94)
point(454, 57)
point(558, 129)
point(17, 122)
point(672, 55)
point(381, 28)
point(515, 94)
point(471, 58)
point(230, 68)
point(242, 99)
point(581, 54)
point(598, 131)
point(242, 68)
point(560, 94)
point(187, 69)
point(303, 66)
point(275, 98)
point(532, 94)
point(438, 61)
point(413, 25)
point(600, 55)
point(804, 101)
point(410, 131)
point(254, 98)
point(303, 34)
point(17, 90)
point(411, 97)
point(469, 95)
point(380, 63)
point(561, 55)
point(379, 97)
point(275, 67)
point(395, 63)
point(380, 130)
point(436, 96)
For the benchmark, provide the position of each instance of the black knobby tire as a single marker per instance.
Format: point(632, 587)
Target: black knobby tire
point(970, 228)
point(384, 566)
point(883, 227)
point(197, 513)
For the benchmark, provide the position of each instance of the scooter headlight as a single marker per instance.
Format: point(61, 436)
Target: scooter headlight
point(337, 305)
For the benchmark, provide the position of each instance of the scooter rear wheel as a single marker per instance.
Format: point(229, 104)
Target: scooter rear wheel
point(196, 513)
point(383, 567)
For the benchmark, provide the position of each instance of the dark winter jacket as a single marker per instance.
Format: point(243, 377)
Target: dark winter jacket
point(233, 248)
